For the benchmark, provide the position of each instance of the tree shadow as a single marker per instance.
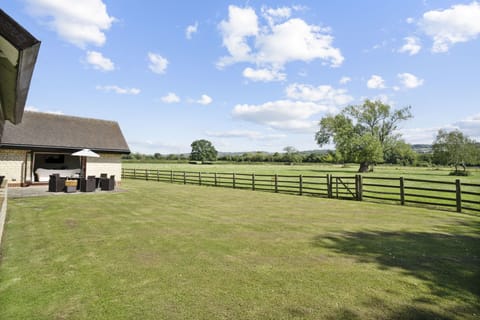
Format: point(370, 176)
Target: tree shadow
point(401, 314)
point(449, 264)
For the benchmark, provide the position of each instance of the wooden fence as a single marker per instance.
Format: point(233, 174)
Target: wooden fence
point(404, 191)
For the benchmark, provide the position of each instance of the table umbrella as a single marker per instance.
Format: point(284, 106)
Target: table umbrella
point(83, 154)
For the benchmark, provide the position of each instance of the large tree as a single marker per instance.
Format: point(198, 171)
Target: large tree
point(203, 150)
point(454, 148)
point(362, 133)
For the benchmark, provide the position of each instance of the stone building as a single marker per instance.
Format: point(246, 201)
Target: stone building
point(44, 142)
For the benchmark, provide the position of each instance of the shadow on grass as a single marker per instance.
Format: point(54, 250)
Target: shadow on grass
point(402, 314)
point(449, 264)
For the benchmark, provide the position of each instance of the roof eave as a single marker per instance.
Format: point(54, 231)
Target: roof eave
point(57, 148)
point(19, 68)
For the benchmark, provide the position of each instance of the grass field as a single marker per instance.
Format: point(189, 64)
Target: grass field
point(382, 185)
point(436, 173)
point(166, 251)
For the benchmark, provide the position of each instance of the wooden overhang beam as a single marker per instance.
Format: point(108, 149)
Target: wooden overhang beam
point(18, 54)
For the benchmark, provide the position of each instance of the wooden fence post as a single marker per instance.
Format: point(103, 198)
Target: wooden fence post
point(158, 176)
point(253, 181)
point(146, 174)
point(276, 183)
point(233, 180)
point(184, 177)
point(458, 191)
point(402, 191)
point(215, 177)
point(329, 186)
point(336, 186)
point(199, 178)
point(300, 184)
point(359, 187)
point(134, 173)
point(171, 176)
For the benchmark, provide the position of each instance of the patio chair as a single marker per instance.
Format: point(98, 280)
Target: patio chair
point(56, 183)
point(88, 185)
point(107, 184)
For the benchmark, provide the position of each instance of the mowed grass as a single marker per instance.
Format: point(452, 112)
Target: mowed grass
point(385, 178)
point(166, 251)
point(320, 169)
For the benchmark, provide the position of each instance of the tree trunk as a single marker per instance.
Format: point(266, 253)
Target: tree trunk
point(363, 167)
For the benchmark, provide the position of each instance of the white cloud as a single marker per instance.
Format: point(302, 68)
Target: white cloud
point(410, 81)
point(296, 40)
point(324, 94)
point(282, 114)
point(119, 90)
point(99, 62)
point(32, 108)
point(410, 20)
point(265, 75)
point(470, 126)
point(35, 109)
point(151, 147)
point(241, 23)
point(384, 98)
point(459, 23)
point(376, 82)
point(248, 134)
point(345, 80)
point(412, 46)
point(419, 135)
point(275, 15)
point(78, 22)
point(205, 100)
point(158, 64)
point(272, 45)
point(170, 98)
point(191, 29)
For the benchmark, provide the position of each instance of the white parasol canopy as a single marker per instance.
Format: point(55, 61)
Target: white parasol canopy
point(85, 153)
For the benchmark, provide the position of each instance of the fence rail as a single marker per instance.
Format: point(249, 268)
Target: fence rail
point(403, 191)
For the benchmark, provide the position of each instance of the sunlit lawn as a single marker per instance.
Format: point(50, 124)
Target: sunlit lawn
point(167, 251)
point(430, 173)
point(315, 180)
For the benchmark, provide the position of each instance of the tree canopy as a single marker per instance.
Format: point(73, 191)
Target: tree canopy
point(362, 133)
point(203, 150)
point(454, 148)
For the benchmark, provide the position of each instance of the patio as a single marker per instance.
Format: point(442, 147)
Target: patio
point(42, 190)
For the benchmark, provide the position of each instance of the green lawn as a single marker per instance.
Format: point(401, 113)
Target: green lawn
point(167, 251)
point(436, 173)
point(382, 183)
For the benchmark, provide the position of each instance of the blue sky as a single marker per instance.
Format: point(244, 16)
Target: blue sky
point(252, 75)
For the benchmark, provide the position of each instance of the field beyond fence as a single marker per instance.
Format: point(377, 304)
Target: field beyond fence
point(452, 195)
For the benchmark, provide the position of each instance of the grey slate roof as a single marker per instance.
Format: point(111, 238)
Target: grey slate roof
point(52, 131)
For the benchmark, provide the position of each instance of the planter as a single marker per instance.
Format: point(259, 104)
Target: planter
point(69, 189)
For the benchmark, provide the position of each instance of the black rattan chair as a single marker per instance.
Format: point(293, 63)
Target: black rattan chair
point(88, 185)
point(107, 184)
point(56, 183)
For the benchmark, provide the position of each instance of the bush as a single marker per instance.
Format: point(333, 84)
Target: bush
point(459, 173)
point(424, 164)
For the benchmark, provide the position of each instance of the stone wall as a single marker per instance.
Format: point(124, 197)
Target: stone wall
point(12, 165)
point(110, 164)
